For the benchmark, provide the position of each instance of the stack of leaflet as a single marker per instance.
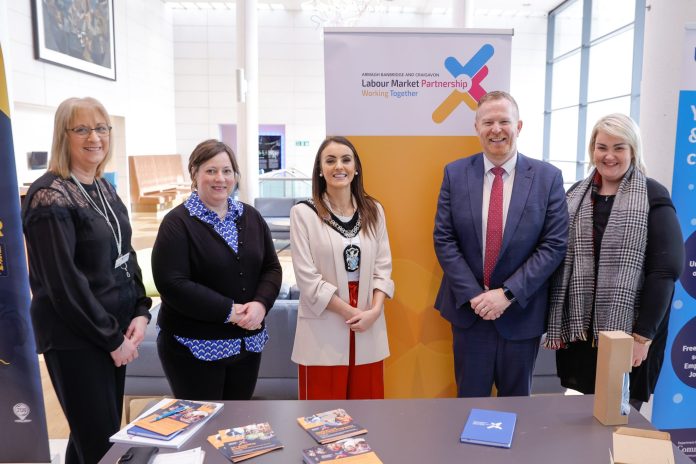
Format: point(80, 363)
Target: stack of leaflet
point(336, 431)
point(329, 426)
point(169, 424)
point(240, 443)
point(356, 448)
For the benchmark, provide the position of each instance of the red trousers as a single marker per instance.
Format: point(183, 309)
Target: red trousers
point(363, 382)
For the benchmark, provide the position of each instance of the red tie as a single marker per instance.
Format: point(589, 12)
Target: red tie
point(494, 226)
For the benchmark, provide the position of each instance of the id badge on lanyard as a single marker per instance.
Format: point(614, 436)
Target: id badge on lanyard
point(121, 260)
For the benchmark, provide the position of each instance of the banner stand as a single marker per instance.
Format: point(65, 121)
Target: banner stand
point(23, 434)
point(406, 98)
point(674, 401)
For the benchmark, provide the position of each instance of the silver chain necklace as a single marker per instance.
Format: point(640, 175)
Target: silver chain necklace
point(351, 253)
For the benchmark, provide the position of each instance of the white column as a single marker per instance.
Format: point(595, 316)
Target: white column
point(248, 107)
point(462, 13)
point(659, 91)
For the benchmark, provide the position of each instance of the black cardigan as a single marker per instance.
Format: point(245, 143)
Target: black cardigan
point(199, 276)
point(664, 257)
point(78, 298)
point(664, 261)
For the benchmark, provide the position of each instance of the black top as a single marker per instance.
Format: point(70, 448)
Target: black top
point(199, 276)
point(602, 207)
point(79, 298)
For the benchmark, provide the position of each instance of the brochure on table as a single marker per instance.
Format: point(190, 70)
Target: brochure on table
point(122, 436)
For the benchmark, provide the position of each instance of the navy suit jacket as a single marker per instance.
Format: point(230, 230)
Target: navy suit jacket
point(534, 243)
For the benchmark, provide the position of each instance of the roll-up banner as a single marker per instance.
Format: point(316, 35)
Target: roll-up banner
point(406, 98)
point(23, 436)
point(674, 406)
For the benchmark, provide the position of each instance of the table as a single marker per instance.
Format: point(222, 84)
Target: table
point(550, 428)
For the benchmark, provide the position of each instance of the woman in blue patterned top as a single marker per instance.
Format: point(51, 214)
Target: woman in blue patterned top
point(218, 274)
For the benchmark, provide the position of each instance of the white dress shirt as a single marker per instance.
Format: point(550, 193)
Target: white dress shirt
point(508, 180)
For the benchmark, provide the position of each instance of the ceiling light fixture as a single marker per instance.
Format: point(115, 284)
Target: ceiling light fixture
point(339, 12)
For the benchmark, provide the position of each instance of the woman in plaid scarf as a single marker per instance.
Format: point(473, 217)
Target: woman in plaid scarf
point(625, 251)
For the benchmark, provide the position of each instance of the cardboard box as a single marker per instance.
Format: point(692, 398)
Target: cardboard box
point(615, 352)
point(639, 446)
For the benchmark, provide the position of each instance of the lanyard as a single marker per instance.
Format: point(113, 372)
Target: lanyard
point(121, 260)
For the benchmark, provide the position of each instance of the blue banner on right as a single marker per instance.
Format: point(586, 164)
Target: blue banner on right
point(675, 395)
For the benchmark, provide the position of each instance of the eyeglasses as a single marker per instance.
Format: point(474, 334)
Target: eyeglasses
point(84, 131)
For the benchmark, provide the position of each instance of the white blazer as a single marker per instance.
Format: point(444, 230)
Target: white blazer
point(322, 337)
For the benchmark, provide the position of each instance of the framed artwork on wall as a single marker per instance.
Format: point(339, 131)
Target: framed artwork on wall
point(270, 152)
point(77, 34)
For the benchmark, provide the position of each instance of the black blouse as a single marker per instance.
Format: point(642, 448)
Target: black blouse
point(79, 299)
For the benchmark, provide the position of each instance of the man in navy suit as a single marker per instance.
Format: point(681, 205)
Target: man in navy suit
point(499, 235)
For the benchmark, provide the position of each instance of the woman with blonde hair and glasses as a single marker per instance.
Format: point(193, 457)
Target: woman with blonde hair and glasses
point(625, 251)
point(342, 262)
point(89, 308)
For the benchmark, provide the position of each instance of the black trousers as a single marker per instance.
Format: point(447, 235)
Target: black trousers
point(90, 390)
point(231, 378)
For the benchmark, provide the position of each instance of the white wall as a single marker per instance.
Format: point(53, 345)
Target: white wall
point(143, 93)
point(528, 72)
point(291, 78)
point(662, 77)
point(291, 74)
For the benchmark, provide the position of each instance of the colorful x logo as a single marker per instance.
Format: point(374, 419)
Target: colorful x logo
point(475, 70)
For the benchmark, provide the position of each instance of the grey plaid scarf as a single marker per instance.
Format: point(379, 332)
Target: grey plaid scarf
point(620, 272)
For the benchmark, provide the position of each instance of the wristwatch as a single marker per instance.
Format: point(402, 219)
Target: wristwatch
point(509, 295)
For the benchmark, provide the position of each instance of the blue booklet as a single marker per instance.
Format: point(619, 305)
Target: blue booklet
point(488, 427)
point(141, 432)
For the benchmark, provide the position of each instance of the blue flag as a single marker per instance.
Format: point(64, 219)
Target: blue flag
point(23, 436)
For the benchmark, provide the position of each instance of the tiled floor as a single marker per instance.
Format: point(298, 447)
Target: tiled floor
point(145, 226)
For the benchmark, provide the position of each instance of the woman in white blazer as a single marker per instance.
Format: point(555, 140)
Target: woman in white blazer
point(342, 262)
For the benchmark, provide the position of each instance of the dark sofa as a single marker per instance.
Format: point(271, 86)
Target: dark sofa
point(276, 212)
point(277, 374)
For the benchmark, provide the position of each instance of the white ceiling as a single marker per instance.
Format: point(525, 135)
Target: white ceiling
point(490, 7)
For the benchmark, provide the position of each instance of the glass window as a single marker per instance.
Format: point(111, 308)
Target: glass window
point(610, 15)
point(568, 29)
point(564, 135)
point(611, 67)
point(566, 81)
point(568, 170)
point(594, 73)
point(603, 108)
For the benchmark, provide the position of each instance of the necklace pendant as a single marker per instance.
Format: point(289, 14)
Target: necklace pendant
point(351, 258)
point(125, 269)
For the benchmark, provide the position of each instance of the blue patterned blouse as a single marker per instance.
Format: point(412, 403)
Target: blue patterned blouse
point(212, 350)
